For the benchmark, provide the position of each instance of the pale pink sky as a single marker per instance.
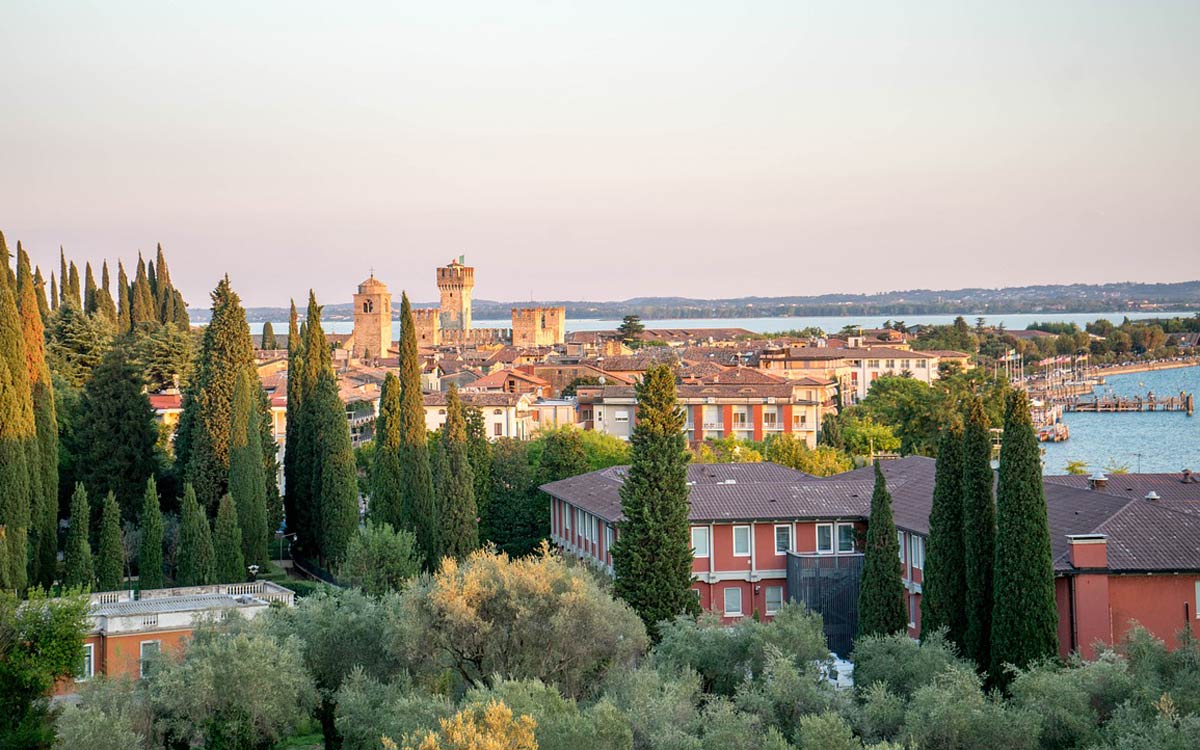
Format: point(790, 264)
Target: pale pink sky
point(607, 150)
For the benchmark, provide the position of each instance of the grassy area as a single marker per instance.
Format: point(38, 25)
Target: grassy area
point(302, 742)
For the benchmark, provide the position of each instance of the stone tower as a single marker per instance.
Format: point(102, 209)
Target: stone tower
point(456, 282)
point(539, 326)
point(372, 319)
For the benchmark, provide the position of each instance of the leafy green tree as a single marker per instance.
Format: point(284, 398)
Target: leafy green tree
point(866, 437)
point(380, 559)
point(247, 485)
point(631, 327)
point(979, 533)
point(900, 664)
point(1024, 615)
point(78, 567)
point(230, 566)
point(516, 517)
point(459, 529)
point(115, 436)
point(150, 548)
point(652, 556)
point(386, 475)
point(42, 644)
point(110, 557)
point(203, 439)
point(197, 560)
point(881, 596)
point(793, 452)
point(562, 455)
point(944, 587)
point(418, 506)
point(267, 340)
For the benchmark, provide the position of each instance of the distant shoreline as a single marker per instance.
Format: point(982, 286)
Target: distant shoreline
point(1145, 367)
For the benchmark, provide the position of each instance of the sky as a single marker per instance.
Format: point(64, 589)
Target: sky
point(605, 150)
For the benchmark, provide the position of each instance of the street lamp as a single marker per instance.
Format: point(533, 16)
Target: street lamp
point(253, 572)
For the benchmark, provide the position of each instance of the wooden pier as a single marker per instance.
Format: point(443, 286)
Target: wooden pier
point(1184, 402)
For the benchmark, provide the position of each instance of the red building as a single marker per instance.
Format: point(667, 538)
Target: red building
point(1124, 550)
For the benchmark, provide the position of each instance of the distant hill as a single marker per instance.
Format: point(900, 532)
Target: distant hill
point(1047, 298)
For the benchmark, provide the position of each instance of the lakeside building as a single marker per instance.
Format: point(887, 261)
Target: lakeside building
point(854, 369)
point(1125, 549)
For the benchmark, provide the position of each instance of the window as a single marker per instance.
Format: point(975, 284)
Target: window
point(149, 649)
point(567, 520)
point(700, 541)
point(741, 541)
point(740, 419)
point(825, 538)
point(498, 429)
point(622, 416)
point(774, 599)
point(916, 551)
point(900, 544)
point(912, 610)
point(921, 364)
point(88, 667)
point(783, 539)
point(770, 418)
point(595, 529)
point(733, 601)
point(891, 364)
point(608, 538)
point(872, 363)
point(905, 364)
point(845, 537)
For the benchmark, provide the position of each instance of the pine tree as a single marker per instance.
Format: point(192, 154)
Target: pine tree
point(42, 458)
point(39, 284)
point(197, 560)
point(18, 432)
point(89, 290)
point(386, 478)
point(77, 343)
point(230, 567)
point(150, 552)
point(77, 557)
point(881, 597)
point(979, 533)
point(116, 433)
point(124, 313)
point(652, 556)
point(297, 481)
point(267, 340)
point(418, 505)
point(458, 532)
point(944, 587)
point(247, 486)
point(141, 299)
point(1024, 615)
point(110, 558)
point(334, 476)
point(203, 438)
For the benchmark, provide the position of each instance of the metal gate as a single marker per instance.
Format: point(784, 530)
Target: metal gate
point(828, 585)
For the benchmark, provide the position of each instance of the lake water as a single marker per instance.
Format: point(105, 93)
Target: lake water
point(830, 324)
point(1151, 442)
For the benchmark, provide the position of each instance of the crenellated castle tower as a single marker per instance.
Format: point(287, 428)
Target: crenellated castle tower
point(456, 282)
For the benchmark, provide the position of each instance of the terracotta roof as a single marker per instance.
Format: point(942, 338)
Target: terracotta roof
point(475, 399)
point(498, 378)
point(165, 401)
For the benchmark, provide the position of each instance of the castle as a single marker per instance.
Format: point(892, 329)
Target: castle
point(450, 323)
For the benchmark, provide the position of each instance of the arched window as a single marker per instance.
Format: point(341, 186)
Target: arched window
point(368, 306)
point(498, 412)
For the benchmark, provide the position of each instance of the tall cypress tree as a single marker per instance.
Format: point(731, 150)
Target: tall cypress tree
point(979, 533)
point(77, 560)
point(417, 507)
point(479, 454)
point(53, 293)
point(39, 285)
point(89, 290)
point(42, 457)
point(19, 467)
point(334, 477)
point(267, 340)
point(124, 313)
point(386, 477)
point(74, 289)
point(202, 442)
point(652, 556)
point(881, 605)
point(270, 458)
point(150, 552)
point(152, 277)
point(315, 361)
point(458, 532)
point(247, 486)
point(297, 482)
point(197, 560)
point(227, 544)
point(64, 285)
point(14, 484)
point(105, 306)
point(110, 557)
point(1024, 615)
point(141, 299)
point(944, 587)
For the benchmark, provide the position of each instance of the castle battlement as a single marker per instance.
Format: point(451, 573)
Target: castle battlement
point(539, 326)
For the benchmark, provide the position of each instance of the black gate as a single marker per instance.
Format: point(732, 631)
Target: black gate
point(828, 585)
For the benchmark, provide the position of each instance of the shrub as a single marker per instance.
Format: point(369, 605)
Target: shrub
point(952, 713)
point(901, 664)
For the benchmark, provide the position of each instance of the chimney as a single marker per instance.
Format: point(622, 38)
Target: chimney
point(1088, 550)
point(1152, 496)
point(1187, 476)
point(1098, 481)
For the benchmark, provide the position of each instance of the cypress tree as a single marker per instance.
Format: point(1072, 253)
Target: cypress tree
point(386, 488)
point(116, 433)
point(267, 340)
point(202, 444)
point(124, 314)
point(110, 558)
point(831, 432)
point(334, 475)
point(1024, 615)
point(230, 567)
point(881, 605)
point(77, 557)
point(74, 290)
point(18, 432)
point(180, 311)
point(247, 485)
point(89, 290)
point(417, 507)
point(197, 560)
point(42, 457)
point(270, 459)
point(154, 290)
point(458, 532)
point(979, 533)
point(296, 480)
point(64, 284)
point(652, 556)
point(5, 565)
point(315, 361)
point(53, 293)
point(141, 299)
point(479, 455)
point(105, 306)
point(944, 587)
point(39, 285)
point(150, 552)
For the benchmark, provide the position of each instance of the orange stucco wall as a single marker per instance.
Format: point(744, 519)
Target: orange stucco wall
point(1163, 604)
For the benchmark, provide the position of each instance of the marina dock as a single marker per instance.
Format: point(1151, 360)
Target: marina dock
point(1184, 402)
